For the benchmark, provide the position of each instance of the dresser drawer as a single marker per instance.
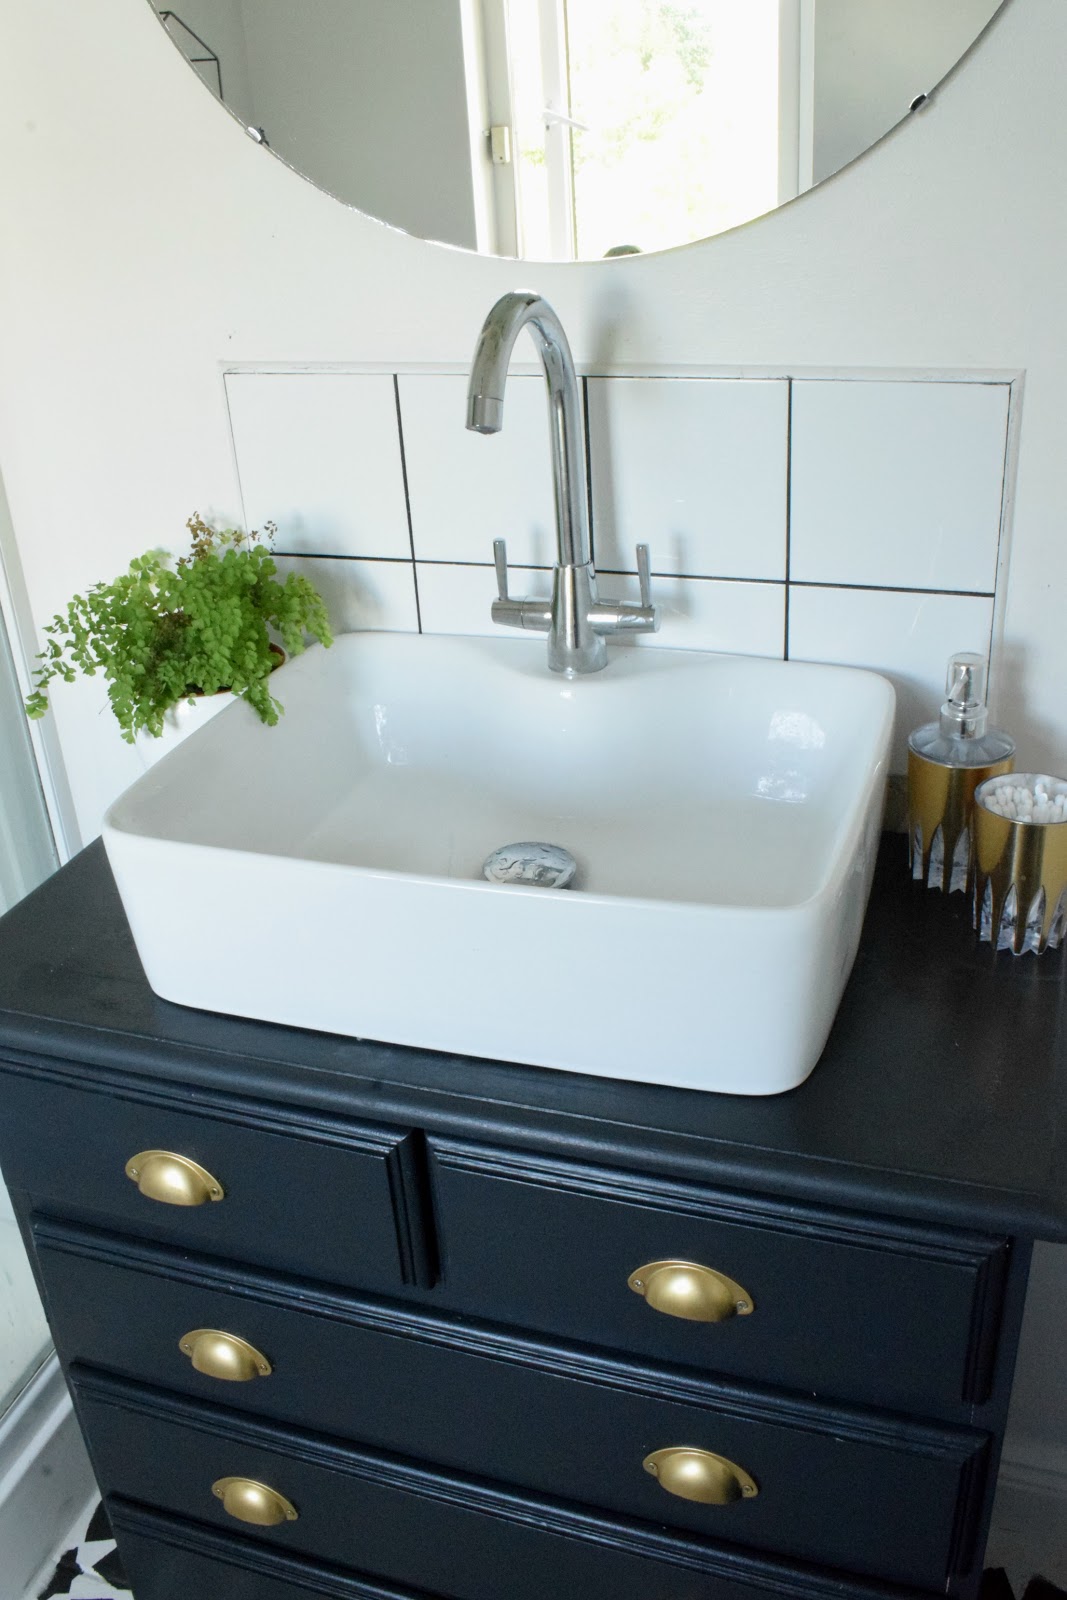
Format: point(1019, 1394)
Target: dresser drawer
point(403, 1524)
point(318, 1195)
point(843, 1487)
point(839, 1306)
point(168, 1559)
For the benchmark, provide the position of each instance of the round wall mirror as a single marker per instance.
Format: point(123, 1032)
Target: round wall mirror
point(562, 130)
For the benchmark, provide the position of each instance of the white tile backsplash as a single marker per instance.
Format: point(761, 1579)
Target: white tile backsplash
point(707, 614)
point(695, 613)
point(459, 599)
point(897, 484)
point(896, 496)
point(467, 489)
point(696, 468)
point(908, 637)
point(319, 454)
point(360, 594)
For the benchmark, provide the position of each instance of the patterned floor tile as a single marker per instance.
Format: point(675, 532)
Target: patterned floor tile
point(91, 1569)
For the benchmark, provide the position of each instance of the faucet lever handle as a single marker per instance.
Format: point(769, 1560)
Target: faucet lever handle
point(644, 575)
point(500, 562)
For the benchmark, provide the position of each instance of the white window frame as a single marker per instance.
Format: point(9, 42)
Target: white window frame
point(489, 59)
point(796, 97)
point(497, 103)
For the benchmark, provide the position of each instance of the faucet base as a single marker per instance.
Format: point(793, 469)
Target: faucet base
point(574, 645)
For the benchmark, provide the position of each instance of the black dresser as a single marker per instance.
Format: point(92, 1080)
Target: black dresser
point(344, 1319)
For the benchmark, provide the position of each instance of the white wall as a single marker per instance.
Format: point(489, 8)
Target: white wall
point(155, 244)
point(872, 59)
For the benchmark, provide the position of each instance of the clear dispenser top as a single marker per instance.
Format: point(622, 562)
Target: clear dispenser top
point(961, 736)
point(964, 714)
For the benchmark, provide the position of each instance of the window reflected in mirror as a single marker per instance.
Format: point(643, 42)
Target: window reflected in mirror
point(571, 129)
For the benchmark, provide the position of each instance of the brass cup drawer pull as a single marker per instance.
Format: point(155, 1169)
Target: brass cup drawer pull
point(172, 1180)
point(224, 1356)
point(700, 1475)
point(257, 1503)
point(688, 1290)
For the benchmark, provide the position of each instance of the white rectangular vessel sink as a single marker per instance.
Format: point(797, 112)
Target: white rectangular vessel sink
point(723, 811)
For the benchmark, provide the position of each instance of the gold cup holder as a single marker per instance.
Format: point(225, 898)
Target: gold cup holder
point(1020, 863)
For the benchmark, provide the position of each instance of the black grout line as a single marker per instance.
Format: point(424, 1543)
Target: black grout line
point(626, 572)
point(687, 577)
point(332, 555)
point(788, 511)
point(407, 498)
point(484, 566)
point(403, 561)
point(890, 588)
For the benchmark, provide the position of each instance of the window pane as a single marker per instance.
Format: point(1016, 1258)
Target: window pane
point(680, 99)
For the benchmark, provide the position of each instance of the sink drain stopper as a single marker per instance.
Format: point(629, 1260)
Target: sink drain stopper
point(548, 866)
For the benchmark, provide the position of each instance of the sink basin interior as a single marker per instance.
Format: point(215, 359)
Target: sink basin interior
point(672, 776)
point(723, 813)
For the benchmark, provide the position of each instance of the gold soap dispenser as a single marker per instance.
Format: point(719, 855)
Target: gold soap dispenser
point(947, 760)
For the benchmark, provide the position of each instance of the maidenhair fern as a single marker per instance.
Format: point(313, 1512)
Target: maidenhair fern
point(166, 631)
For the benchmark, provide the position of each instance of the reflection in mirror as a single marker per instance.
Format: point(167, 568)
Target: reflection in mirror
point(571, 129)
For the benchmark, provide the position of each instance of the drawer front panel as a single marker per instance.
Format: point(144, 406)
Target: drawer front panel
point(845, 1308)
point(165, 1558)
point(844, 1488)
point(404, 1525)
point(321, 1196)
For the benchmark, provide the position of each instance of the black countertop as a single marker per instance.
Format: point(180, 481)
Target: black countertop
point(941, 1094)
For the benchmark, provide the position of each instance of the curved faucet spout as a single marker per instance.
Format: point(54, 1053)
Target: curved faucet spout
point(485, 406)
point(575, 619)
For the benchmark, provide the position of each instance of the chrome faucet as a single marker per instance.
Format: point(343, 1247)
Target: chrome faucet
point(575, 620)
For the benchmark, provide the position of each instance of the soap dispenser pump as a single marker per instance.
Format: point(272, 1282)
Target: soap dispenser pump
point(947, 760)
